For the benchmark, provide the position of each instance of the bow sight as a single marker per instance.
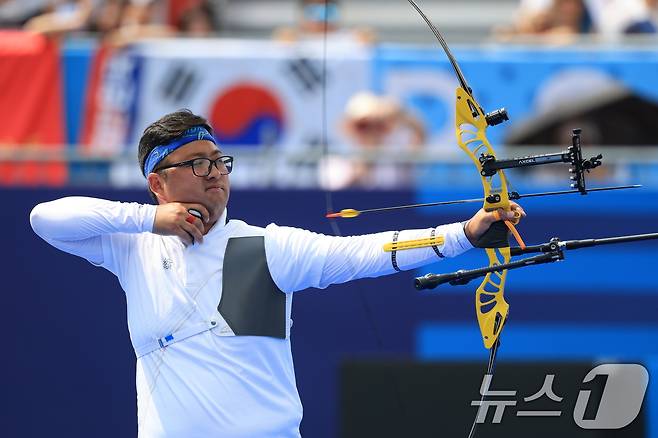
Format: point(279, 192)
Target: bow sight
point(489, 166)
point(573, 155)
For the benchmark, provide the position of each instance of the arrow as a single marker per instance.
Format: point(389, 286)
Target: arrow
point(351, 213)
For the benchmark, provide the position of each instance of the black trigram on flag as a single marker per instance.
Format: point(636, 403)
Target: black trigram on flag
point(179, 83)
point(307, 73)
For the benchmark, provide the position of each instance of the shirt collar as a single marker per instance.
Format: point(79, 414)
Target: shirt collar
point(221, 222)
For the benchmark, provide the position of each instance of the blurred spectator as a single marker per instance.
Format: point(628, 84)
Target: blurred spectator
point(319, 18)
point(197, 20)
point(618, 17)
point(159, 18)
point(196, 17)
point(554, 21)
point(371, 121)
point(61, 16)
point(532, 18)
point(145, 13)
point(569, 17)
point(377, 127)
point(15, 13)
point(141, 19)
point(106, 16)
point(652, 6)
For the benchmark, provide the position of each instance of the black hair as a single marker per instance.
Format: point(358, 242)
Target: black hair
point(165, 130)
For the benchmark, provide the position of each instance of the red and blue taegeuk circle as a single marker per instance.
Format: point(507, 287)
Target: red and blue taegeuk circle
point(247, 114)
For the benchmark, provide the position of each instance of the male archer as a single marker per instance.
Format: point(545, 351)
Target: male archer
point(209, 299)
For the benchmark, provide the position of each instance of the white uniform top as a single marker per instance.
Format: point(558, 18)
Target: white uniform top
point(214, 383)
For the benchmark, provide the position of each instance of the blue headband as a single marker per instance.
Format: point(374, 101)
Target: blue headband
point(159, 152)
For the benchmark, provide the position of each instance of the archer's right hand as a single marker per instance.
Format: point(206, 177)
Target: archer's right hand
point(173, 219)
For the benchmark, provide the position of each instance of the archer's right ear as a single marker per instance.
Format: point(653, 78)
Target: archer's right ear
point(156, 185)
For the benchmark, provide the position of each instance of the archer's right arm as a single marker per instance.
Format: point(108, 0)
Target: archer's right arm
point(100, 230)
point(77, 224)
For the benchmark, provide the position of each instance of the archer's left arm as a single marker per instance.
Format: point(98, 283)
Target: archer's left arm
point(299, 259)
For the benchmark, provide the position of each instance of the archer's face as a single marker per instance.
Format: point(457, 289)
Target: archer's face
point(179, 184)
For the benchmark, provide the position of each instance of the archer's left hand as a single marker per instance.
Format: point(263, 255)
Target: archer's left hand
point(482, 220)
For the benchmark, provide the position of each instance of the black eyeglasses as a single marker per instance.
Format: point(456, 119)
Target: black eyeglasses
point(203, 166)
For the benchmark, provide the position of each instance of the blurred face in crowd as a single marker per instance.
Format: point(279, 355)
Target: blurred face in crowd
point(107, 16)
point(196, 22)
point(568, 13)
point(370, 131)
point(318, 15)
point(180, 184)
point(369, 118)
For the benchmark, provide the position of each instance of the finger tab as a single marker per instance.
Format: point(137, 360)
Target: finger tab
point(195, 213)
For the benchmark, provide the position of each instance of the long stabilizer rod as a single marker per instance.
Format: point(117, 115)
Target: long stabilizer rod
point(585, 243)
point(553, 251)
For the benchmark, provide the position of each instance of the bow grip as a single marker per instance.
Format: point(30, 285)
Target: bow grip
point(495, 237)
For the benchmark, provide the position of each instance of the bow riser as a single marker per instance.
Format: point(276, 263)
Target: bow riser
point(491, 307)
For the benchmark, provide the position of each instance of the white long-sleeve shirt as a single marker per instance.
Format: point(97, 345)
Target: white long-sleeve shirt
point(215, 383)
